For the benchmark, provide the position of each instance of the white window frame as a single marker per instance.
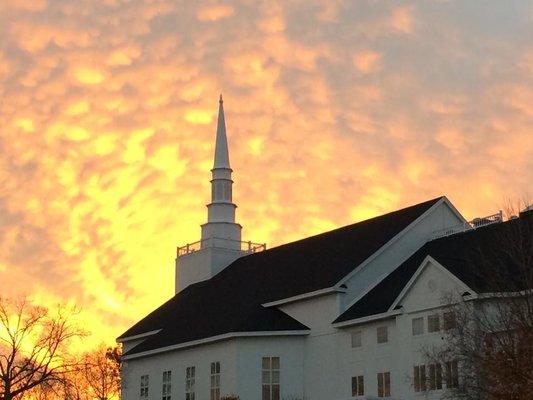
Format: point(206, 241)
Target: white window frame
point(380, 337)
point(215, 381)
point(270, 378)
point(190, 382)
point(419, 378)
point(166, 391)
point(449, 320)
point(357, 339)
point(435, 376)
point(434, 323)
point(452, 374)
point(384, 384)
point(417, 326)
point(358, 385)
point(145, 384)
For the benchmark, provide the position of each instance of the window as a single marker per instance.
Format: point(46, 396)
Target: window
point(452, 374)
point(270, 378)
point(358, 385)
point(433, 323)
point(382, 334)
point(189, 383)
point(435, 376)
point(144, 386)
point(418, 326)
point(215, 380)
point(356, 339)
point(383, 384)
point(449, 321)
point(167, 385)
point(419, 378)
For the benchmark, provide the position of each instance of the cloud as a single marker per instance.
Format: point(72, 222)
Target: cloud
point(336, 112)
point(214, 13)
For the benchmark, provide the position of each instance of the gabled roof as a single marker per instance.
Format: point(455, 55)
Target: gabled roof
point(232, 300)
point(471, 256)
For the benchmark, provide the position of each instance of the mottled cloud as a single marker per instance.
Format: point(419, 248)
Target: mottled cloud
point(336, 111)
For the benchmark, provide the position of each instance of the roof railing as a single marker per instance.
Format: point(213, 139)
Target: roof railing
point(239, 245)
point(469, 225)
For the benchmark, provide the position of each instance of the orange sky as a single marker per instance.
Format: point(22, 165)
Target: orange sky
point(336, 111)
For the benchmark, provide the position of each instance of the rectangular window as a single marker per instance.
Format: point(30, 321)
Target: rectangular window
point(452, 374)
point(434, 323)
point(144, 386)
point(382, 334)
point(358, 385)
point(356, 339)
point(435, 377)
point(167, 385)
point(383, 384)
point(190, 380)
point(270, 374)
point(419, 378)
point(449, 321)
point(215, 380)
point(418, 326)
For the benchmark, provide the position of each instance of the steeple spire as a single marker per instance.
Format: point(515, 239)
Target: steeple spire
point(221, 146)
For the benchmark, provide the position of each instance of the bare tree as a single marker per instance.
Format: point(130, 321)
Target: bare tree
point(34, 347)
point(101, 373)
point(491, 334)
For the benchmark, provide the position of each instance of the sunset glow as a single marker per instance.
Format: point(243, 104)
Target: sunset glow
point(336, 111)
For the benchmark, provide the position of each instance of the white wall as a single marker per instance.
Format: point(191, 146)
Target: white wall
point(177, 361)
point(392, 257)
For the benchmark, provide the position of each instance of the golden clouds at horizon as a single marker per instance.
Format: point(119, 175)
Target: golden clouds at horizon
point(336, 112)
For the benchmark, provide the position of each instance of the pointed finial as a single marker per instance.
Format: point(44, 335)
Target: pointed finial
point(221, 145)
point(220, 100)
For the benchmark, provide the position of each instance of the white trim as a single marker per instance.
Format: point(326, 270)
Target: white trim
point(316, 293)
point(216, 338)
point(427, 261)
point(395, 239)
point(135, 337)
point(368, 318)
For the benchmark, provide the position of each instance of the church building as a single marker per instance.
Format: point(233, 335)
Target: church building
point(339, 315)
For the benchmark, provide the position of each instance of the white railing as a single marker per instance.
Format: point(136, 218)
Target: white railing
point(469, 225)
point(244, 246)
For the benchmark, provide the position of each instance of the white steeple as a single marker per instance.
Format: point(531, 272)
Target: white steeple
point(221, 145)
point(221, 236)
point(221, 210)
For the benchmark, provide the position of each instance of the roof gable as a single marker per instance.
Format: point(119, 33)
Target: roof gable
point(467, 256)
point(232, 300)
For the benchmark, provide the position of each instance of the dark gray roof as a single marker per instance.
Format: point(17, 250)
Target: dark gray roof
point(487, 259)
point(231, 301)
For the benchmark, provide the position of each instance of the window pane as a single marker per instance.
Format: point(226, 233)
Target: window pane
point(360, 385)
point(423, 377)
point(432, 377)
point(218, 368)
point(418, 326)
point(266, 377)
point(354, 386)
point(275, 392)
point(356, 339)
point(433, 323)
point(387, 384)
point(275, 376)
point(380, 384)
point(266, 393)
point(416, 378)
point(266, 363)
point(439, 377)
point(275, 362)
point(382, 334)
point(449, 320)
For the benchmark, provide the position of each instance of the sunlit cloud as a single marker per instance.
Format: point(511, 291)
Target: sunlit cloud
point(336, 111)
